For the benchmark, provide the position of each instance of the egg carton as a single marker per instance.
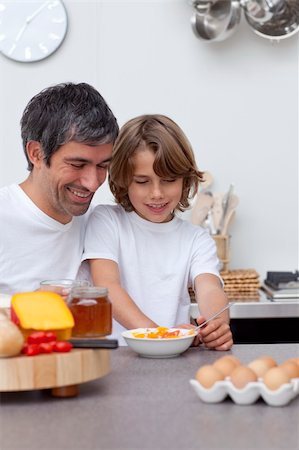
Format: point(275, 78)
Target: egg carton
point(249, 394)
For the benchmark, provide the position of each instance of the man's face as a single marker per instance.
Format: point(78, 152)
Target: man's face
point(76, 170)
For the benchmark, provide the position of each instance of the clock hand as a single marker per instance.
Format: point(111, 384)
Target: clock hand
point(29, 19)
point(33, 15)
point(18, 36)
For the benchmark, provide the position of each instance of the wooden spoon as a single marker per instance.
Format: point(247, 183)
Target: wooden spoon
point(200, 210)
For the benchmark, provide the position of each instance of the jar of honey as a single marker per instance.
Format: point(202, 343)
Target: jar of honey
point(92, 311)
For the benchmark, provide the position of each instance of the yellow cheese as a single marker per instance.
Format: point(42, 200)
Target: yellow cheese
point(42, 311)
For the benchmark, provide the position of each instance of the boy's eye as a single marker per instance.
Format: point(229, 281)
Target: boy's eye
point(170, 180)
point(140, 182)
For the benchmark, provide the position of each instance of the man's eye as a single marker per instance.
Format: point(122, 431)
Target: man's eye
point(77, 166)
point(170, 180)
point(103, 166)
point(140, 182)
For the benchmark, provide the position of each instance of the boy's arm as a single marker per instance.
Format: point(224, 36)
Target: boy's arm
point(105, 273)
point(211, 297)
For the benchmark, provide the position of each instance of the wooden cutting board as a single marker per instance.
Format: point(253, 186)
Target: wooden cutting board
point(22, 373)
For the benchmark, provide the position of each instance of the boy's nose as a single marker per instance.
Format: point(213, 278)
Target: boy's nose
point(156, 191)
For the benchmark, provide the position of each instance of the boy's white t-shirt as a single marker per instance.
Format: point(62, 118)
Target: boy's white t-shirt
point(157, 261)
point(33, 246)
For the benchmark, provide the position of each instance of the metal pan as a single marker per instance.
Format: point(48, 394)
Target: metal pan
point(284, 23)
point(215, 20)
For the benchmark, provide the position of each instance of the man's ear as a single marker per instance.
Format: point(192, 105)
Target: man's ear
point(35, 153)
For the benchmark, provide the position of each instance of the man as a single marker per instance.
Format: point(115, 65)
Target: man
point(68, 132)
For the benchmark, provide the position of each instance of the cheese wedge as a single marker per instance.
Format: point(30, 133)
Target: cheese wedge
point(42, 311)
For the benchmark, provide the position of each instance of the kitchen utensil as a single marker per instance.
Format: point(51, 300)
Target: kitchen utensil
point(208, 181)
point(53, 370)
point(233, 203)
point(196, 329)
point(262, 10)
point(225, 204)
point(228, 221)
point(283, 24)
point(215, 20)
point(203, 203)
point(94, 343)
point(210, 223)
point(217, 209)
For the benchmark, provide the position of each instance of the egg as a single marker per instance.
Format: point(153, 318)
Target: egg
point(259, 366)
point(295, 360)
point(268, 360)
point(291, 368)
point(207, 375)
point(275, 377)
point(262, 364)
point(241, 376)
point(225, 365)
point(233, 358)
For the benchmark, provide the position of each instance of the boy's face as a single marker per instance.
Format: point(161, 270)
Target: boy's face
point(153, 198)
point(76, 171)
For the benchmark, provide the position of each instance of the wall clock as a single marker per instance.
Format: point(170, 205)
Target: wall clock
point(31, 30)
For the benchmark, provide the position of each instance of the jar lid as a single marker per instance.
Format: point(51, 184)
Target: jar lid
point(89, 291)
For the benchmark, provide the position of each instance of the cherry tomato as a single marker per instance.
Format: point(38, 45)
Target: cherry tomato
point(24, 349)
point(32, 350)
point(36, 338)
point(50, 336)
point(62, 346)
point(46, 347)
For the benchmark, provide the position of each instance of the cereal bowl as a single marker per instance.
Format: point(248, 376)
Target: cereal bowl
point(158, 347)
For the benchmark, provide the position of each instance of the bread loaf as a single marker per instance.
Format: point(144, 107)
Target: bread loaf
point(11, 338)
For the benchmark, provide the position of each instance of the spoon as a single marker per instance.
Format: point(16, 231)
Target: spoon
point(203, 203)
point(196, 329)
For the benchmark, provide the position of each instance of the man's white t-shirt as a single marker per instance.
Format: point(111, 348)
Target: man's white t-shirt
point(157, 261)
point(33, 246)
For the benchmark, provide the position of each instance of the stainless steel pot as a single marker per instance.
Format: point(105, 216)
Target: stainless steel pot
point(283, 24)
point(262, 10)
point(215, 20)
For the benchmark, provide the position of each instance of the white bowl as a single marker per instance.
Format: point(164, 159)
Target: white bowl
point(158, 348)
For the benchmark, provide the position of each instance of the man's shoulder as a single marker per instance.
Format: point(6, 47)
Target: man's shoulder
point(8, 193)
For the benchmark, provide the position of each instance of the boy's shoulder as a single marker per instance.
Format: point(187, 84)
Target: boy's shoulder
point(108, 211)
point(188, 226)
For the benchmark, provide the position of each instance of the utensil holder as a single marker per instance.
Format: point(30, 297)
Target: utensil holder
point(223, 249)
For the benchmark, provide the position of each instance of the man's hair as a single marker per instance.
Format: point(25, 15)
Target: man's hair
point(67, 112)
point(174, 157)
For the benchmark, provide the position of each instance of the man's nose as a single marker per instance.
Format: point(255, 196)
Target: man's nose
point(93, 177)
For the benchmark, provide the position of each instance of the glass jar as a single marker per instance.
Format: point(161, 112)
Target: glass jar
point(92, 311)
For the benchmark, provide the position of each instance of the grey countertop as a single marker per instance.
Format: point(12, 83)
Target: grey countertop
point(149, 404)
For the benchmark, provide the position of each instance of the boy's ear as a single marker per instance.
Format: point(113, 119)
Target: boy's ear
point(35, 153)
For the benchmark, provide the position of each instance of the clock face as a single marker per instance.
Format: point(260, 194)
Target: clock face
point(31, 30)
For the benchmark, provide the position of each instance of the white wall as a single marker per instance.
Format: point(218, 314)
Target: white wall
point(237, 101)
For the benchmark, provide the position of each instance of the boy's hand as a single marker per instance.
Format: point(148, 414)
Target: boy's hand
point(197, 340)
point(216, 334)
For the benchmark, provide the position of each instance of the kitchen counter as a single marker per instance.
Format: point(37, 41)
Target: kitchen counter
point(263, 321)
point(262, 309)
point(149, 404)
